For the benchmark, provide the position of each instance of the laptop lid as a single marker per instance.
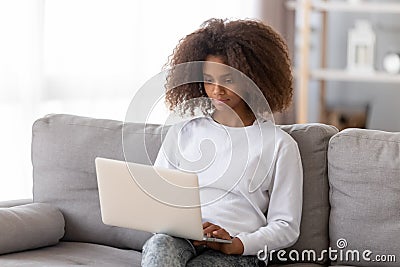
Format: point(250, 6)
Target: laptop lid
point(149, 198)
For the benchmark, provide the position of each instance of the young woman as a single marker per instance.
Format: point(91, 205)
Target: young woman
point(232, 145)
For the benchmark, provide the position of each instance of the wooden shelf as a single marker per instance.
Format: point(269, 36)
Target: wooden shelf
point(353, 76)
point(304, 10)
point(344, 6)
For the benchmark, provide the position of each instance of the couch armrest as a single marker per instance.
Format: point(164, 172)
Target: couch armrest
point(13, 203)
point(30, 226)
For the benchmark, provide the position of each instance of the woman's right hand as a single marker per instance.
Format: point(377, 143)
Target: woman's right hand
point(213, 230)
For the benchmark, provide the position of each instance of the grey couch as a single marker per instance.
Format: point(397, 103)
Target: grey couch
point(351, 196)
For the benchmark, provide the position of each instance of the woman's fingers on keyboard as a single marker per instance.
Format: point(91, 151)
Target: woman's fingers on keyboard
point(221, 233)
point(211, 228)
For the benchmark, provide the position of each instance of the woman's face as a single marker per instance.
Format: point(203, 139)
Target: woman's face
point(217, 80)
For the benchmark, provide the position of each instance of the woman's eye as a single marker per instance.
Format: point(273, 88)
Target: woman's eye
point(228, 81)
point(207, 80)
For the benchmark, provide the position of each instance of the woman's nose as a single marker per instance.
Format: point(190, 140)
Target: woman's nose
point(218, 89)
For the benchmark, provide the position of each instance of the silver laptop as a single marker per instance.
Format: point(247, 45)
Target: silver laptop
point(151, 199)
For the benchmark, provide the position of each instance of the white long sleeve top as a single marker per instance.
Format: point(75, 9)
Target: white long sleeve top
point(244, 173)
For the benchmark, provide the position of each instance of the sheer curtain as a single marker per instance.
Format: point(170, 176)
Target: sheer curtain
point(84, 57)
point(21, 83)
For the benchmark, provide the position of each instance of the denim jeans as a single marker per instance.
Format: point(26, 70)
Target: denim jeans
point(165, 250)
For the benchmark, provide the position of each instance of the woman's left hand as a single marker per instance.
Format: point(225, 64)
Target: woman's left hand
point(213, 230)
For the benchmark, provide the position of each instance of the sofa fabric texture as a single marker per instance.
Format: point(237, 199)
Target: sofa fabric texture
point(365, 194)
point(30, 226)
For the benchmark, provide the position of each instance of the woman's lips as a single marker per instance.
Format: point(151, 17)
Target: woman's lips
point(221, 100)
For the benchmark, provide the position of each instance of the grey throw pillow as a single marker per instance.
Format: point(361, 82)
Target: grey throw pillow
point(30, 226)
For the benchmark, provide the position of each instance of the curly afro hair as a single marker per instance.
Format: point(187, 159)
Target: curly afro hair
point(249, 46)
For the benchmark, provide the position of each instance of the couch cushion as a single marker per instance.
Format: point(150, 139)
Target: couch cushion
point(14, 203)
point(64, 148)
point(312, 140)
point(30, 226)
point(298, 265)
point(73, 254)
point(364, 177)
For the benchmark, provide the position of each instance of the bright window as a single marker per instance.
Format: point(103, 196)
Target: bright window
point(84, 57)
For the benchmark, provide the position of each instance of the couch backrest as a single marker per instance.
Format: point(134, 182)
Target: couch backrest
point(64, 148)
point(312, 140)
point(364, 177)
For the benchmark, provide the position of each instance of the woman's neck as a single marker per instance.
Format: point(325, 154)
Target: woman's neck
point(241, 120)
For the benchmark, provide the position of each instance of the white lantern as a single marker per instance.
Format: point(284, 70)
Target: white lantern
point(360, 47)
